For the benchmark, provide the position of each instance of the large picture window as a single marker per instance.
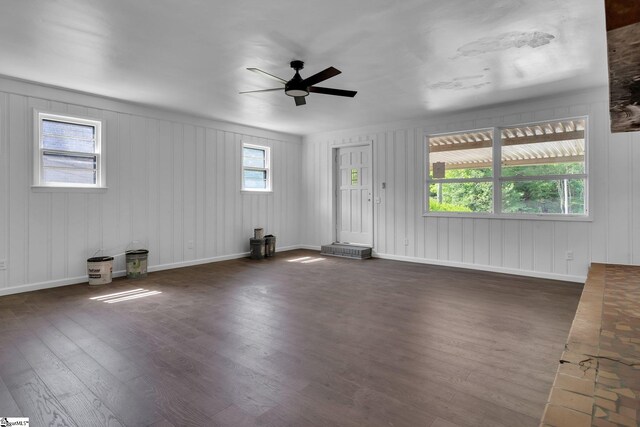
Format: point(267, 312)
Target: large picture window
point(68, 152)
point(256, 168)
point(535, 169)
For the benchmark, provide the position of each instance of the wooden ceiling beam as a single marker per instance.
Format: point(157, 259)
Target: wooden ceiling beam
point(518, 162)
point(547, 137)
point(461, 146)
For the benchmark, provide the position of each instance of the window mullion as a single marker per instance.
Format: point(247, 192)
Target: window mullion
point(67, 153)
point(457, 180)
point(543, 177)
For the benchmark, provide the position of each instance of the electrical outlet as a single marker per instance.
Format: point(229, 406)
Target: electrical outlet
point(3, 264)
point(190, 244)
point(569, 256)
point(406, 242)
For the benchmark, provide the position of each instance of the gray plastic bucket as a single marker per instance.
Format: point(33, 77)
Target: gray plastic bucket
point(100, 270)
point(136, 263)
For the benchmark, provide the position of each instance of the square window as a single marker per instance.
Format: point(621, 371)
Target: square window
point(460, 172)
point(68, 151)
point(543, 168)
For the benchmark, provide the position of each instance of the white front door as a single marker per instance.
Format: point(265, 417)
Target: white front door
point(353, 193)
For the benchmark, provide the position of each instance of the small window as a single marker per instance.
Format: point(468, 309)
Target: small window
point(68, 152)
point(256, 168)
point(461, 172)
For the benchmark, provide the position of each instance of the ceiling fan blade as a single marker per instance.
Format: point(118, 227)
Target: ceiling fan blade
point(321, 76)
point(263, 90)
point(259, 71)
point(300, 100)
point(330, 91)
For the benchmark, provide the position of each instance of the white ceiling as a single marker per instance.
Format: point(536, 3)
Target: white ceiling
point(406, 58)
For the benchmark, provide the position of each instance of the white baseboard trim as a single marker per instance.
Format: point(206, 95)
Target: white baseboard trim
point(309, 247)
point(120, 273)
point(490, 268)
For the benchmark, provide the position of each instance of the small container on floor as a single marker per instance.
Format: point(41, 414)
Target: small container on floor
point(136, 263)
point(257, 248)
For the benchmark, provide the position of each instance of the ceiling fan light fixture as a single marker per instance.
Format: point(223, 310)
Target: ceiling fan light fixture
point(295, 86)
point(296, 92)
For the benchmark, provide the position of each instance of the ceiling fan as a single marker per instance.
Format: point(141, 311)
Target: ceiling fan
point(299, 88)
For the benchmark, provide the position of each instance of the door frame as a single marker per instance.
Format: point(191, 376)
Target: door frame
point(335, 182)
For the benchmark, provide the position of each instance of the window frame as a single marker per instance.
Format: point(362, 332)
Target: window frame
point(267, 168)
point(39, 117)
point(497, 179)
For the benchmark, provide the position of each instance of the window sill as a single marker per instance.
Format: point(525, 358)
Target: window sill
point(256, 191)
point(523, 217)
point(47, 189)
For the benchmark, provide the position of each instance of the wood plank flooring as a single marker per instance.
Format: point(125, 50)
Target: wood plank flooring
point(278, 342)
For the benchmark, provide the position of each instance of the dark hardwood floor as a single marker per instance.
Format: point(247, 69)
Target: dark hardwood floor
point(334, 342)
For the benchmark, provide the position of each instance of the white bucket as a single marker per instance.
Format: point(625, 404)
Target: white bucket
point(258, 233)
point(99, 270)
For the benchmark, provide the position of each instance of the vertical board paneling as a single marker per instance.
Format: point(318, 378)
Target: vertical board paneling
point(125, 176)
point(18, 184)
point(172, 187)
point(560, 247)
point(635, 190)
point(543, 246)
point(599, 182)
point(200, 192)
point(189, 167)
point(153, 201)
point(138, 185)
point(400, 191)
point(511, 244)
point(454, 237)
point(526, 245)
point(165, 195)
point(481, 241)
point(618, 190)
point(177, 225)
point(4, 184)
point(39, 266)
point(496, 232)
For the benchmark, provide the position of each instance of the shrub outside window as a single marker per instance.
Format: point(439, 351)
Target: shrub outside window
point(256, 168)
point(537, 170)
point(68, 152)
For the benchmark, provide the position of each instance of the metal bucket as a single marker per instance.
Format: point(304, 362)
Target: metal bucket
point(257, 248)
point(136, 263)
point(269, 245)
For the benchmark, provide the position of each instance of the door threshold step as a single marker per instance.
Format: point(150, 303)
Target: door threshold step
point(346, 251)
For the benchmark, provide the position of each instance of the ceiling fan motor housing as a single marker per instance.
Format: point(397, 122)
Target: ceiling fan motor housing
point(295, 86)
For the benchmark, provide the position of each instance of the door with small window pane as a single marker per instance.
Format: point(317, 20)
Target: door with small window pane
point(354, 203)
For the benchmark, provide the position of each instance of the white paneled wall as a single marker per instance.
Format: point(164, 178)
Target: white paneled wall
point(531, 247)
point(174, 187)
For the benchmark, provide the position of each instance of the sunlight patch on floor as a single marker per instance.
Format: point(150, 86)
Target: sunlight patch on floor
point(125, 295)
